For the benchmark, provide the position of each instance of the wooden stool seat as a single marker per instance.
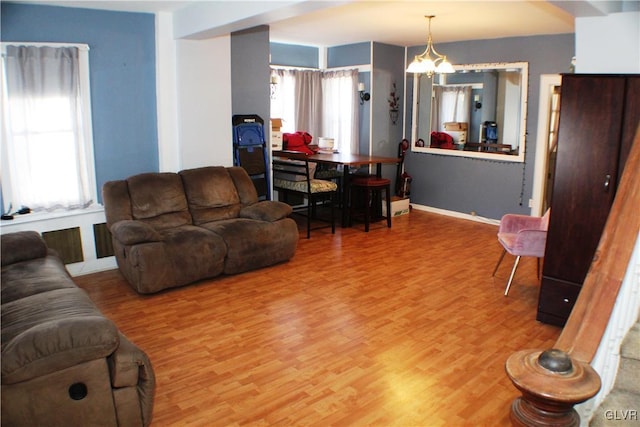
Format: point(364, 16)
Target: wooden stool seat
point(370, 184)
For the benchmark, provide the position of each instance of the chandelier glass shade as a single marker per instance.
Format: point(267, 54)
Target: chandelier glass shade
point(424, 63)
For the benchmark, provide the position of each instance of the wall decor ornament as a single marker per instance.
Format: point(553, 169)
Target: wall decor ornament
point(394, 105)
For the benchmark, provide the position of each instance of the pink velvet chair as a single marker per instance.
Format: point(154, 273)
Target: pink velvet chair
point(522, 235)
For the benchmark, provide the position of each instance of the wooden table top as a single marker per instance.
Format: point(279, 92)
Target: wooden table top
point(344, 158)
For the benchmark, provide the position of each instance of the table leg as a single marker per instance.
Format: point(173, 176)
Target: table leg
point(377, 201)
point(345, 196)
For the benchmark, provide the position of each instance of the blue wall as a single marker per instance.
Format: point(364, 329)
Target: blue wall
point(294, 55)
point(490, 188)
point(122, 63)
point(349, 54)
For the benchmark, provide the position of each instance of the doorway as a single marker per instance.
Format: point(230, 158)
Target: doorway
point(546, 143)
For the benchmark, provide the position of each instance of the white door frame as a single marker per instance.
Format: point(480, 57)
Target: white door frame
point(547, 82)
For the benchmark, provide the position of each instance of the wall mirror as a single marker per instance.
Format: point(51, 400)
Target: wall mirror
point(478, 111)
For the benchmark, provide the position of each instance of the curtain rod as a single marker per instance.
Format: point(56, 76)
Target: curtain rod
point(80, 46)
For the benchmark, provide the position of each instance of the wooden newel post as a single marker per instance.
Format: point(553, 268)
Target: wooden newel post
point(551, 383)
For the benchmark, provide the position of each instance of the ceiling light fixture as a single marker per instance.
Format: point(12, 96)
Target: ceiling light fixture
point(424, 64)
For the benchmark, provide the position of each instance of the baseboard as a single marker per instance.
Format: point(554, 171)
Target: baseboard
point(92, 266)
point(455, 214)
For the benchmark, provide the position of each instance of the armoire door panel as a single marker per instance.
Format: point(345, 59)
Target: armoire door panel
point(586, 172)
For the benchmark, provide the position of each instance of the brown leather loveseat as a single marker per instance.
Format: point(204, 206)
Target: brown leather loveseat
point(172, 229)
point(63, 362)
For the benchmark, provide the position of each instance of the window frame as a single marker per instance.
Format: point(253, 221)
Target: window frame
point(86, 113)
point(290, 127)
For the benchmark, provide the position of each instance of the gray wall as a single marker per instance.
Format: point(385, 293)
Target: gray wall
point(490, 188)
point(387, 69)
point(250, 73)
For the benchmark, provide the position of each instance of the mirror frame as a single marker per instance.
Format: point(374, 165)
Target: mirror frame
point(522, 130)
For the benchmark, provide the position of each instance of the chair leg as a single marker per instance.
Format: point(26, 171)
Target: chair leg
point(309, 203)
point(367, 210)
point(350, 203)
point(388, 191)
point(332, 197)
point(513, 272)
point(504, 251)
point(538, 270)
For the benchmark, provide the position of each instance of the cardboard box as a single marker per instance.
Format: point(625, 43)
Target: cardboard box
point(459, 136)
point(276, 125)
point(399, 206)
point(276, 140)
point(455, 126)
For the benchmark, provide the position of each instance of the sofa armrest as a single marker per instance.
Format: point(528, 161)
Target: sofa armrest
point(56, 345)
point(131, 232)
point(22, 246)
point(266, 210)
point(130, 367)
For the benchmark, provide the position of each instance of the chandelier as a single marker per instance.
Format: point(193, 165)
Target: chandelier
point(423, 63)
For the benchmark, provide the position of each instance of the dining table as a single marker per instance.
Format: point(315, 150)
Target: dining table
point(348, 161)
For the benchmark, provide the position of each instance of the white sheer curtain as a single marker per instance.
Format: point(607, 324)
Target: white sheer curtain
point(45, 160)
point(283, 104)
point(309, 99)
point(340, 112)
point(454, 105)
point(321, 103)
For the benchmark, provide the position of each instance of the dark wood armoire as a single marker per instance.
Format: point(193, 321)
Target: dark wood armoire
point(599, 115)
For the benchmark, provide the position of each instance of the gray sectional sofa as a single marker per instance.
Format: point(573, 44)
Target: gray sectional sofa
point(172, 229)
point(63, 362)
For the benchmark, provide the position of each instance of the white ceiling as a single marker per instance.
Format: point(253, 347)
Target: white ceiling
point(399, 22)
point(403, 23)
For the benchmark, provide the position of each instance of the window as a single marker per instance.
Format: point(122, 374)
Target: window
point(455, 105)
point(47, 148)
point(323, 103)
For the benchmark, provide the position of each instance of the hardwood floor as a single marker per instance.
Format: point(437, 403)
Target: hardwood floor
point(395, 327)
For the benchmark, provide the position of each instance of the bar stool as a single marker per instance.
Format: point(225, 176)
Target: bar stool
point(370, 185)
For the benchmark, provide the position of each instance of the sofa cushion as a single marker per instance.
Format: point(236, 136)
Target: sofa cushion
point(211, 194)
point(50, 331)
point(22, 246)
point(194, 253)
point(27, 278)
point(159, 200)
point(254, 244)
point(244, 185)
point(130, 232)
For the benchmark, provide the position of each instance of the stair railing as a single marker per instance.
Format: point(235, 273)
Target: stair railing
point(554, 380)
